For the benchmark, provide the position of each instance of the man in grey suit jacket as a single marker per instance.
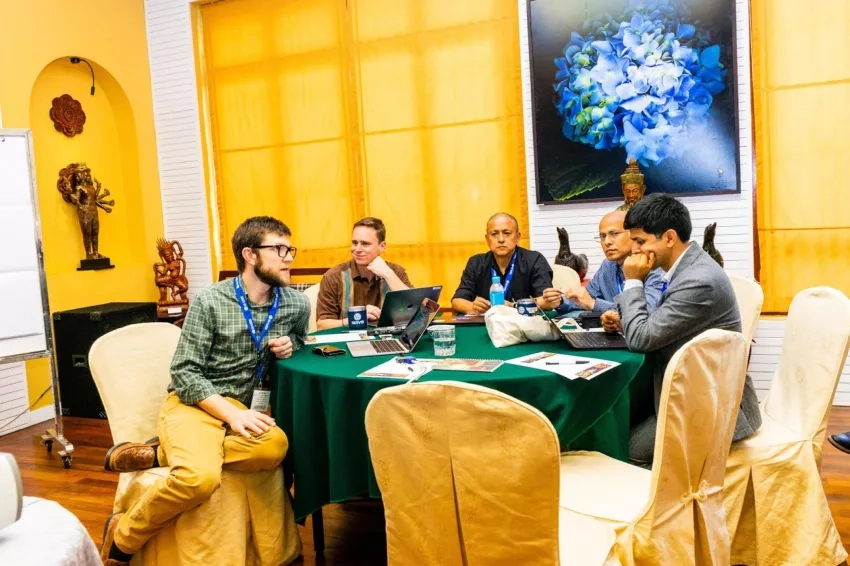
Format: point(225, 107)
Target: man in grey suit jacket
point(696, 296)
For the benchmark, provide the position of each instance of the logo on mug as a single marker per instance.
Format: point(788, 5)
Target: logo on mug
point(357, 316)
point(526, 307)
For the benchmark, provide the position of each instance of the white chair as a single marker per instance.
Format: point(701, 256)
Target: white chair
point(47, 534)
point(750, 299)
point(776, 507)
point(312, 293)
point(564, 277)
point(11, 490)
point(673, 514)
point(469, 476)
point(248, 521)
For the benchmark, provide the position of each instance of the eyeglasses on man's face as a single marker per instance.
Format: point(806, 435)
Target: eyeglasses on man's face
point(282, 250)
point(613, 235)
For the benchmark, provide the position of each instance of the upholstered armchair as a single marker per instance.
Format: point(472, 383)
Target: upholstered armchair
point(470, 476)
point(674, 513)
point(776, 507)
point(249, 519)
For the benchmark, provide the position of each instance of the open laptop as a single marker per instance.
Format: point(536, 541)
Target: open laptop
point(588, 340)
point(461, 319)
point(405, 343)
point(400, 306)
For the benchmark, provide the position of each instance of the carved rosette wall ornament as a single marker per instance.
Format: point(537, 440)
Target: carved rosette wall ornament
point(67, 115)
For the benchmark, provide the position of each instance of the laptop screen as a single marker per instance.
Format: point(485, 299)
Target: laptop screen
point(553, 324)
point(418, 324)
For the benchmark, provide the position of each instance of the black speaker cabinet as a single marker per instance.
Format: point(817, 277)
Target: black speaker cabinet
point(74, 331)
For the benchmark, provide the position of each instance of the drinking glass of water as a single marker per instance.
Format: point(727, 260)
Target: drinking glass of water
point(444, 339)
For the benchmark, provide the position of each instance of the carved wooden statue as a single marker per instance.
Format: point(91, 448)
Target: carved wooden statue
point(79, 188)
point(577, 263)
point(633, 185)
point(708, 243)
point(170, 278)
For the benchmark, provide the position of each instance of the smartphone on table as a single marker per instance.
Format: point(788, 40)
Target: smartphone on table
point(328, 351)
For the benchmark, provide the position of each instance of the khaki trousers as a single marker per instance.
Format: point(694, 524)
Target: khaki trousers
point(196, 446)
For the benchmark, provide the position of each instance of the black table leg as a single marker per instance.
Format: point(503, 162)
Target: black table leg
point(318, 533)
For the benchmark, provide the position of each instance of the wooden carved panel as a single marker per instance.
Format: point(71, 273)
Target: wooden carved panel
point(67, 115)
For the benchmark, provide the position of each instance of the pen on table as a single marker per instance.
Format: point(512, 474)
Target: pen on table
point(567, 363)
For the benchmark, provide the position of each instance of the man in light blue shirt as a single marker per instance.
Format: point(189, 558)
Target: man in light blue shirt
point(608, 281)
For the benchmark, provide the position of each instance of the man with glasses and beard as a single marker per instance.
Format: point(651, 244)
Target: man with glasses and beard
point(608, 281)
point(214, 414)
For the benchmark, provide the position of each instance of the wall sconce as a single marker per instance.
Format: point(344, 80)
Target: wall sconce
point(76, 61)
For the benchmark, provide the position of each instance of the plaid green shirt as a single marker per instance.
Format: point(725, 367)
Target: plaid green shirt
point(216, 353)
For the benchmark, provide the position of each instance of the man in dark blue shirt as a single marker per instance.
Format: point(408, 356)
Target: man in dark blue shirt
point(523, 273)
point(608, 281)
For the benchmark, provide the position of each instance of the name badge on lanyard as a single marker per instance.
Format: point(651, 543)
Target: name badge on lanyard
point(509, 276)
point(260, 397)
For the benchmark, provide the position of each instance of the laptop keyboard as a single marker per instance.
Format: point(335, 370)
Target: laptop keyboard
point(387, 346)
point(587, 339)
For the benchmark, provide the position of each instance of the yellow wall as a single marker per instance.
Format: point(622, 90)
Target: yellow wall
point(36, 39)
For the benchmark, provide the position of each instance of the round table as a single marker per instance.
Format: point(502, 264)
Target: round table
point(320, 404)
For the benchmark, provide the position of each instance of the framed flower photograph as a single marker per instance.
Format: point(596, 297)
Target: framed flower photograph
point(646, 82)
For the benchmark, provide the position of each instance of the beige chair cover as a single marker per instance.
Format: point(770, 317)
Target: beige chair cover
point(248, 521)
point(312, 293)
point(469, 476)
point(776, 506)
point(750, 300)
point(564, 277)
point(673, 514)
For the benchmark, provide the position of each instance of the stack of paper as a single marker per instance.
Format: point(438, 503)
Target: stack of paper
point(341, 337)
point(462, 364)
point(398, 370)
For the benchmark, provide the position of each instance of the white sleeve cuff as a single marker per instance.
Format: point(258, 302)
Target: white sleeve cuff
point(632, 283)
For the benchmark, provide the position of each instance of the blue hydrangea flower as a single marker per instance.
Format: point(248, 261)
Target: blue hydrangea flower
point(644, 81)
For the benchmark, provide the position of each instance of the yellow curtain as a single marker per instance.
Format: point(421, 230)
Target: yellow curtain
point(801, 86)
point(325, 111)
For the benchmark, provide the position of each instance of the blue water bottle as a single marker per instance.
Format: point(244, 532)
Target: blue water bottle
point(497, 293)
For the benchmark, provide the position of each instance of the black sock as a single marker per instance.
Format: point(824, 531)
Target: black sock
point(116, 554)
point(154, 443)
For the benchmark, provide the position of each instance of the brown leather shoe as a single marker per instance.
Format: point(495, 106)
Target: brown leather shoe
point(108, 540)
point(132, 456)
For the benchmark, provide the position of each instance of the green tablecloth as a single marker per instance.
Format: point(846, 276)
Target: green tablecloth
point(320, 404)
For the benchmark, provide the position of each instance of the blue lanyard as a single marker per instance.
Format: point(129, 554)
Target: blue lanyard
point(663, 286)
point(509, 276)
point(249, 319)
point(620, 283)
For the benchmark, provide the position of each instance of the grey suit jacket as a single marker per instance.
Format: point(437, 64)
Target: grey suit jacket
point(699, 297)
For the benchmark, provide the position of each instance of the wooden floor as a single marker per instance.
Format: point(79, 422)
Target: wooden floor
point(354, 532)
